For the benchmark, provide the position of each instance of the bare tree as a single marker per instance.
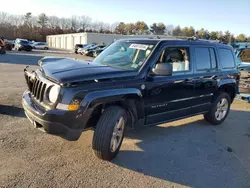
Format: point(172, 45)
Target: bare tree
point(169, 30)
point(27, 19)
point(3, 18)
point(75, 24)
point(16, 20)
point(113, 26)
point(42, 20)
point(84, 22)
point(64, 23)
point(53, 22)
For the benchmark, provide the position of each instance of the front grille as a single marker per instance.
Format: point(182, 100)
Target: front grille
point(38, 89)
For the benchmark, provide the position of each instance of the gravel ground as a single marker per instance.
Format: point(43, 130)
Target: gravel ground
point(185, 153)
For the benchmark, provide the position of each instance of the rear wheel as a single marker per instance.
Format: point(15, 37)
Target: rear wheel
point(219, 109)
point(109, 133)
point(46, 48)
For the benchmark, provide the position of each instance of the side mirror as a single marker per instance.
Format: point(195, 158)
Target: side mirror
point(163, 69)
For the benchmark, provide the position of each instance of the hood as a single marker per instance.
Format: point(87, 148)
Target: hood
point(65, 70)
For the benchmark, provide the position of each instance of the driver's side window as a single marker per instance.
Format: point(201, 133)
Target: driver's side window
point(178, 56)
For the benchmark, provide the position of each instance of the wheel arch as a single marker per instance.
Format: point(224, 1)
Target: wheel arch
point(128, 99)
point(229, 88)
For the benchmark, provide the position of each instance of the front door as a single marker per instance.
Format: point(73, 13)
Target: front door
point(171, 97)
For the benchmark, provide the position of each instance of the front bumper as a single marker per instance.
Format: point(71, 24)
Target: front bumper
point(56, 122)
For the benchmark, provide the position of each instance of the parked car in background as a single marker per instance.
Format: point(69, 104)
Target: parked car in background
point(243, 64)
point(81, 50)
point(77, 46)
point(23, 44)
point(9, 44)
point(40, 45)
point(100, 50)
point(32, 43)
point(90, 51)
point(243, 54)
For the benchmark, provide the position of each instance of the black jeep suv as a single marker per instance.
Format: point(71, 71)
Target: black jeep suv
point(133, 83)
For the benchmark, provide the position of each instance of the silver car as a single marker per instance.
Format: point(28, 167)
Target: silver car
point(40, 45)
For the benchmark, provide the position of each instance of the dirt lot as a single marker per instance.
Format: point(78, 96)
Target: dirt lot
point(185, 153)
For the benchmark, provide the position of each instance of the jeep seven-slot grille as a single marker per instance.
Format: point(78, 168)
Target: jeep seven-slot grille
point(38, 89)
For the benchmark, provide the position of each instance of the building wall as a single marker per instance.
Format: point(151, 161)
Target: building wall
point(109, 38)
point(68, 41)
point(65, 41)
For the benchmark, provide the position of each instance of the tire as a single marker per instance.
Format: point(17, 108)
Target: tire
point(102, 143)
point(19, 49)
point(217, 117)
point(46, 48)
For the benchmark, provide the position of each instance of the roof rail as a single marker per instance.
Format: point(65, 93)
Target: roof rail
point(185, 38)
point(170, 37)
point(203, 40)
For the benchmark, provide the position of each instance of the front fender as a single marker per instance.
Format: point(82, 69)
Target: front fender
point(98, 97)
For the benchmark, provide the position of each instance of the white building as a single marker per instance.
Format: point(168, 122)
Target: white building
point(68, 41)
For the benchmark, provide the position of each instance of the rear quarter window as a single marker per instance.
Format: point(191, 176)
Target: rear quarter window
point(226, 57)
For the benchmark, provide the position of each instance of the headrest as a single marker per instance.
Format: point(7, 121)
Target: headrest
point(176, 55)
point(147, 53)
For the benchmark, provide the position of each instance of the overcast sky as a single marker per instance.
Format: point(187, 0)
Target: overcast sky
point(219, 15)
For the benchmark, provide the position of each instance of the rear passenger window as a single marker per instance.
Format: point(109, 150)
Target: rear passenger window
point(205, 59)
point(202, 58)
point(226, 58)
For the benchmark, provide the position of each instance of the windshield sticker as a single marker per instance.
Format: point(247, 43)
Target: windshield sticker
point(139, 46)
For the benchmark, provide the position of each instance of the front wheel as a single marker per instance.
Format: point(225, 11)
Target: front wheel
point(219, 109)
point(109, 133)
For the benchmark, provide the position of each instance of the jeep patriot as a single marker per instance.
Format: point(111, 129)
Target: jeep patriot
point(132, 83)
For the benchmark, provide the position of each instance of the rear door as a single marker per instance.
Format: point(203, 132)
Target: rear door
point(207, 75)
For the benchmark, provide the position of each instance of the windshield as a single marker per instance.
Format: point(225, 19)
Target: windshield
point(125, 55)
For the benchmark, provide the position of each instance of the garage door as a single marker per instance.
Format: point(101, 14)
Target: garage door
point(59, 42)
point(69, 43)
point(76, 40)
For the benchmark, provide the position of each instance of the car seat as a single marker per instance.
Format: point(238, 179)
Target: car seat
point(178, 60)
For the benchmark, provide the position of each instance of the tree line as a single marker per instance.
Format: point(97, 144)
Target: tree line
point(37, 28)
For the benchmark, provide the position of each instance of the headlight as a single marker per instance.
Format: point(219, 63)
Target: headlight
point(33, 76)
point(54, 93)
